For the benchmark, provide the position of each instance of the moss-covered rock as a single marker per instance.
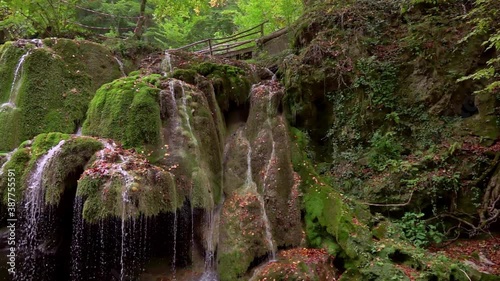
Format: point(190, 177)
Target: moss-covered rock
point(54, 84)
point(127, 110)
point(178, 126)
point(72, 159)
point(242, 235)
point(262, 195)
point(122, 184)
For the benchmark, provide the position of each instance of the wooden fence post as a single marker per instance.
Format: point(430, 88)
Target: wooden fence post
point(210, 46)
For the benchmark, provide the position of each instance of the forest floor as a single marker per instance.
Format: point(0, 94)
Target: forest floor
point(482, 253)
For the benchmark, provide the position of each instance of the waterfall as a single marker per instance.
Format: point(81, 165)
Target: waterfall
point(253, 187)
point(166, 64)
point(33, 213)
point(273, 151)
point(120, 64)
point(79, 131)
point(185, 113)
point(271, 160)
point(14, 87)
point(77, 242)
point(174, 269)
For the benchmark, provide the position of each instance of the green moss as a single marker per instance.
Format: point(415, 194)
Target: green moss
point(44, 142)
point(10, 129)
point(241, 235)
point(103, 197)
point(186, 75)
point(73, 157)
point(9, 58)
point(18, 164)
point(234, 265)
point(231, 83)
point(126, 110)
point(149, 190)
point(54, 87)
point(24, 159)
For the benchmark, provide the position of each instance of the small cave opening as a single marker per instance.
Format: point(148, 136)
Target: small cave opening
point(399, 257)
point(235, 116)
point(468, 108)
point(339, 263)
point(258, 261)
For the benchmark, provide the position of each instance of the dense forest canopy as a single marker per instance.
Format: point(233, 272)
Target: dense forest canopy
point(169, 23)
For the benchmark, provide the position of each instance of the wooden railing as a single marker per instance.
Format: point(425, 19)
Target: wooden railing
point(227, 46)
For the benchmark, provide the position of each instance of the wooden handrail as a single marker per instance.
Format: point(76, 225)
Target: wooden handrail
point(215, 45)
point(243, 32)
point(239, 37)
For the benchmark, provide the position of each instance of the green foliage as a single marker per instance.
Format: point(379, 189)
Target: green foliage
point(182, 22)
point(378, 79)
point(110, 18)
point(44, 18)
point(279, 13)
point(485, 17)
point(384, 147)
point(417, 231)
point(407, 5)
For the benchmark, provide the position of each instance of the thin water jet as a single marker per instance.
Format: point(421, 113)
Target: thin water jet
point(252, 186)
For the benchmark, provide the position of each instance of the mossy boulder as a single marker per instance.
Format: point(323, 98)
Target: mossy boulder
point(54, 84)
point(71, 160)
point(242, 234)
point(122, 184)
point(24, 160)
point(487, 117)
point(127, 110)
point(178, 126)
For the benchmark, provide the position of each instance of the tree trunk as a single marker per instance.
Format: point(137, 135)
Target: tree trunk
point(140, 22)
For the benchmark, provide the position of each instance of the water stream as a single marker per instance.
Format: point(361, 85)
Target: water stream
point(186, 115)
point(77, 239)
point(166, 64)
point(15, 85)
point(33, 213)
point(252, 186)
point(79, 131)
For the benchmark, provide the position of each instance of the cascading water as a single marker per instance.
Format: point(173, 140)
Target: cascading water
point(33, 215)
point(166, 64)
point(77, 239)
point(252, 186)
point(122, 236)
point(212, 221)
point(272, 158)
point(79, 131)
point(15, 85)
point(186, 116)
